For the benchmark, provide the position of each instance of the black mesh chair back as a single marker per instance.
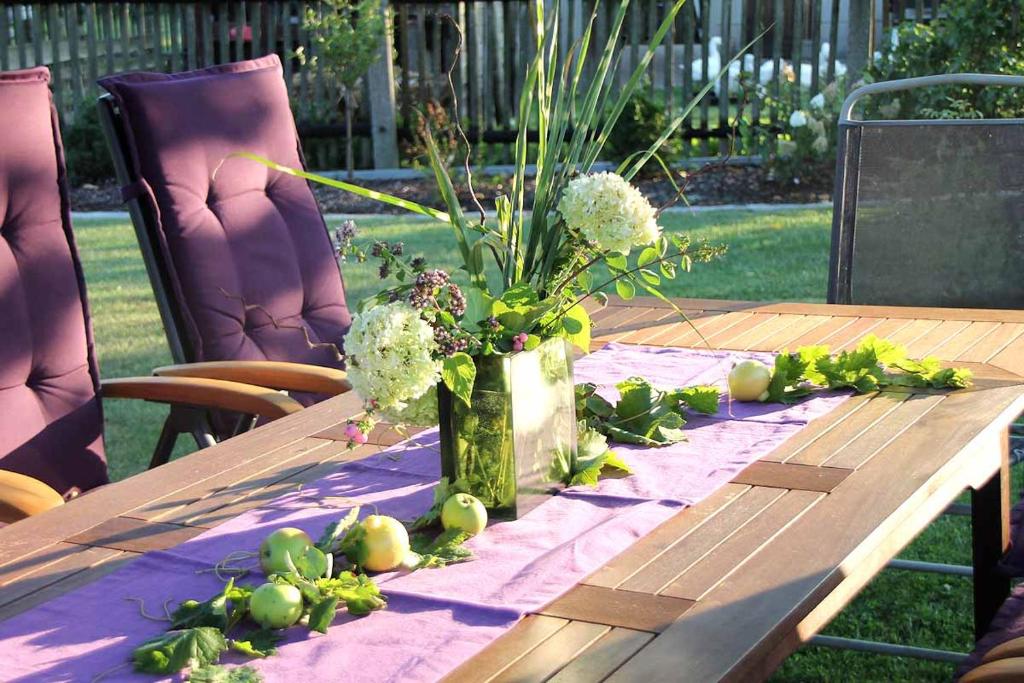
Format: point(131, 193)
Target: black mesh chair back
point(929, 212)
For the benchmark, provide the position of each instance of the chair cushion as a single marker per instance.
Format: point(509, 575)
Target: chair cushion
point(1006, 625)
point(247, 248)
point(50, 420)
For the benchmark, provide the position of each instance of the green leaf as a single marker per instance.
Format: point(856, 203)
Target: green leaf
point(458, 374)
point(215, 673)
point(441, 551)
point(322, 614)
point(312, 564)
point(651, 277)
point(668, 269)
point(259, 643)
point(532, 342)
point(647, 257)
point(616, 262)
point(359, 593)
point(179, 648)
point(479, 305)
point(625, 289)
point(335, 530)
point(702, 399)
point(212, 612)
point(381, 197)
point(786, 377)
point(576, 327)
point(522, 295)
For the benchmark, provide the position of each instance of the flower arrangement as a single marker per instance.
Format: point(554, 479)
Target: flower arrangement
point(526, 270)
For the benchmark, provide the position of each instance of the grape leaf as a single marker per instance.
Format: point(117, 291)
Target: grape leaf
point(593, 456)
point(259, 643)
point(312, 564)
point(215, 673)
point(174, 650)
point(787, 375)
point(359, 593)
point(334, 530)
point(323, 613)
point(441, 551)
point(213, 612)
point(702, 399)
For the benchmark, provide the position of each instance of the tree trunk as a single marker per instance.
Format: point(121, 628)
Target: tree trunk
point(349, 161)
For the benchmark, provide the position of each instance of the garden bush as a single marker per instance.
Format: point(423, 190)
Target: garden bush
point(87, 156)
point(970, 36)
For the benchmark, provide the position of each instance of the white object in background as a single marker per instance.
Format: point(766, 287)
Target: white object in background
point(714, 64)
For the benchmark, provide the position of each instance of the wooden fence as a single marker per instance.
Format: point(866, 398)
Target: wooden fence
point(82, 41)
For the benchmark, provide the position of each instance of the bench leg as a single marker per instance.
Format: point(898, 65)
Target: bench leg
point(990, 531)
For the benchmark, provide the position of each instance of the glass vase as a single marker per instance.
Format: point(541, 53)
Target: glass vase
point(516, 440)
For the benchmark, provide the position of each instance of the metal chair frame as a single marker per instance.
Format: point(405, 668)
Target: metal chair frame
point(848, 161)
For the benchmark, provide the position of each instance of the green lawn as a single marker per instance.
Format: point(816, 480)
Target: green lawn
point(771, 256)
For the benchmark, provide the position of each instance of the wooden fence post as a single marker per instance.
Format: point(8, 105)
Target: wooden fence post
point(859, 41)
point(381, 86)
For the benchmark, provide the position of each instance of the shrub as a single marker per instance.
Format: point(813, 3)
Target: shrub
point(639, 126)
point(970, 36)
point(87, 155)
point(803, 143)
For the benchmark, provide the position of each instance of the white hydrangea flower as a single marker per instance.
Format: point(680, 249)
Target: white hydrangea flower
point(609, 211)
point(797, 119)
point(390, 356)
point(421, 411)
point(820, 144)
point(818, 101)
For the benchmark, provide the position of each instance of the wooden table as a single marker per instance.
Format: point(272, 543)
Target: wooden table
point(726, 589)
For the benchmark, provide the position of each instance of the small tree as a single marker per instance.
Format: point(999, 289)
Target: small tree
point(346, 37)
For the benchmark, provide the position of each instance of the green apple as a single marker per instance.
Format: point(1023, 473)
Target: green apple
point(284, 542)
point(275, 605)
point(748, 380)
point(465, 513)
point(384, 545)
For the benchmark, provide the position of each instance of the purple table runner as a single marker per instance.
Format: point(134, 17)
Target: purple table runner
point(435, 619)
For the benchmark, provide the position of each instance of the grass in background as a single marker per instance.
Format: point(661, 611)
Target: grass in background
point(774, 256)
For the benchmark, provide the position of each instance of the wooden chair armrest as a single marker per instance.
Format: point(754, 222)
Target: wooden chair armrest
point(1011, 648)
point(204, 393)
point(998, 671)
point(265, 373)
point(23, 496)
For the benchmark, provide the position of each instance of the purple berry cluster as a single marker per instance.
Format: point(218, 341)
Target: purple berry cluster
point(343, 236)
point(456, 300)
point(449, 343)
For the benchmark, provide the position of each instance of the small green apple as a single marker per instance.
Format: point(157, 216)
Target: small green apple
point(748, 380)
point(287, 541)
point(275, 605)
point(465, 513)
point(385, 544)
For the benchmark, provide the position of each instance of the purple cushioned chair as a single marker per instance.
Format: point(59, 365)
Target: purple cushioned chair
point(238, 255)
point(51, 421)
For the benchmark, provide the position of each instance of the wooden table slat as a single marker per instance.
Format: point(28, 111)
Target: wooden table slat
point(628, 609)
point(135, 535)
point(741, 546)
point(792, 476)
point(603, 656)
point(677, 558)
point(549, 657)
